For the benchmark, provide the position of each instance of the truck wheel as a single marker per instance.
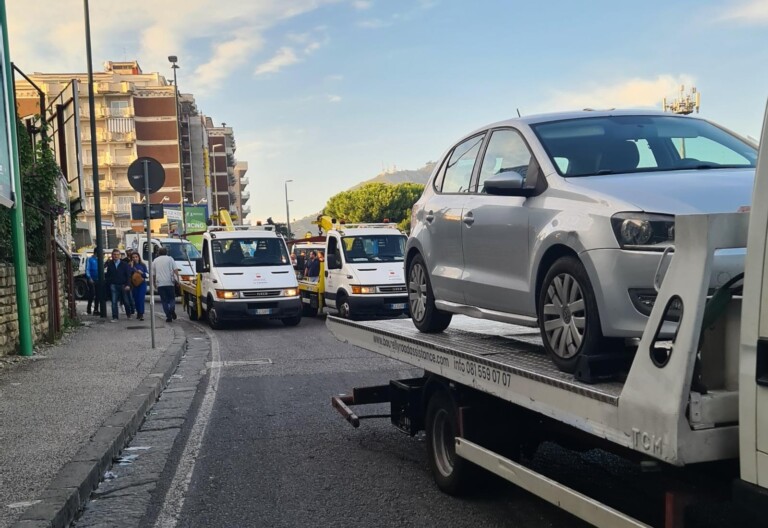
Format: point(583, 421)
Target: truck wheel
point(342, 305)
point(81, 289)
point(421, 301)
point(568, 317)
point(191, 308)
point(213, 317)
point(453, 474)
point(291, 321)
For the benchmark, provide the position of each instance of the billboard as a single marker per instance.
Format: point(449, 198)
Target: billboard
point(6, 122)
point(196, 216)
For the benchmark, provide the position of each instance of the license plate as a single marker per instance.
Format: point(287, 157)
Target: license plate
point(398, 306)
point(305, 300)
point(262, 311)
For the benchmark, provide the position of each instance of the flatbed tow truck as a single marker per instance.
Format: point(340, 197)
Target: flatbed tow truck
point(489, 392)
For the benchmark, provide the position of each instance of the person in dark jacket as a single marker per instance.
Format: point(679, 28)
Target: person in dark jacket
point(91, 276)
point(139, 291)
point(118, 277)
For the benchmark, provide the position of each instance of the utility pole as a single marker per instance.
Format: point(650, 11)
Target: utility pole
point(18, 237)
point(287, 211)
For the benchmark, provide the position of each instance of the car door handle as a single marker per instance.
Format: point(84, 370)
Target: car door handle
point(429, 217)
point(468, 218)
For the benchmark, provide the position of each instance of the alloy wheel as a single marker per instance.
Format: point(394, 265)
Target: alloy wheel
point(417, 292)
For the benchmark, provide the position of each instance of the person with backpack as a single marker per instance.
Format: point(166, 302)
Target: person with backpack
point(118, 278)
point(139, 276)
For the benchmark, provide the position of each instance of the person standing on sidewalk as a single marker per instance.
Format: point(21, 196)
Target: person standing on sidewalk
point(139, 276)
point(91, 276)
point(165, 276)
point(118, 278)
point(130, 308)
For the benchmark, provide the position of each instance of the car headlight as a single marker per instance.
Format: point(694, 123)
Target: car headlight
point(227, 294)
point(290, 292)
point(648, 232)
point(357, 290)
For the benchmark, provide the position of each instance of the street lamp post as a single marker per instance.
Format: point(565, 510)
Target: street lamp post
point(213, 175)
point(100, 288)
point(287, 210)
point(173, 60)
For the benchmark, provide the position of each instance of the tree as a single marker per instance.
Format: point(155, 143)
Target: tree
point(375, 202)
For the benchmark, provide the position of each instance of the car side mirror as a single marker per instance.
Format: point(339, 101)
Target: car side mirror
point(510, 183)
point(200, 266)
point(333, 262)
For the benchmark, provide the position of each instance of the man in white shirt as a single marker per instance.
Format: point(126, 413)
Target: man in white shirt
point(165, 276)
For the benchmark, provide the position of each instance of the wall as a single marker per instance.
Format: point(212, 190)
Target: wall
point(38, 299)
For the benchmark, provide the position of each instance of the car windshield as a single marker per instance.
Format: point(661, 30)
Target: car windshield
point(184, 251)
point(240, 252)
point(374, 248)
point(640, 143)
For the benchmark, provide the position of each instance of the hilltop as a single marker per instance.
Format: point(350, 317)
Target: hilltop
point(421, 175)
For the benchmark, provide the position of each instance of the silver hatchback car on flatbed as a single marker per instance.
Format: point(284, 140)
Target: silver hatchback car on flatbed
point(560, 221)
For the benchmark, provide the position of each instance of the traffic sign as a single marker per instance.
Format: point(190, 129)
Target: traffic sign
point(139, 211)
point(136, 175)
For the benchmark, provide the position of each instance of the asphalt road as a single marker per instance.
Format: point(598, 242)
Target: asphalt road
point(276, 454)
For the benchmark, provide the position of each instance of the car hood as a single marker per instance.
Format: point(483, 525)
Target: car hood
point(379, 273)
point(676, 192)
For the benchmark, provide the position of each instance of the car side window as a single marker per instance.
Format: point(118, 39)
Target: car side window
point(458, 170)
point(507, 151)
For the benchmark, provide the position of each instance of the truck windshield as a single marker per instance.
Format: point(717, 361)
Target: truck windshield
point(182, 251)
point(374, 248)
point(242, 252)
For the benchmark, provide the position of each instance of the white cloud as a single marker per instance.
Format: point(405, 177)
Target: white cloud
point(200, 32)
point(336, 77)
point(635, 92)
point(334, 98)
point(374, 23)
point(362, 4)
point(284, 57)
point(750, 12)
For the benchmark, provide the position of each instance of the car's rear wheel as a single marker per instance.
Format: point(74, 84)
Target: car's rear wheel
point(81, 289)
point(568, 315)
point(342, 305)
point(421, 301)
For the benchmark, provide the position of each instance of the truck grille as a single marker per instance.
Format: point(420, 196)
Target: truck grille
point(259, 294)
point(392, 289)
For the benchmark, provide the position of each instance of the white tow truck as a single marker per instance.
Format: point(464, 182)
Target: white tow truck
point(245, 273)
point(686, 405)
point(361, 272)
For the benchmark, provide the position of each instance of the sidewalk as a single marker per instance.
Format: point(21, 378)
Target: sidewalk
point(52, 405)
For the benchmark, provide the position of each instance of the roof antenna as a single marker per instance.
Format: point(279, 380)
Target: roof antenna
point(518, 112)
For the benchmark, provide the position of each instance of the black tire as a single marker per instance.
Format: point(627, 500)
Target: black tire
point(81, 289)
point(342, 305)
point(578, 321)
point(308, 311)
point(213, 318)
point(421, 301)
point(291, 321)
point(191, 308)
point(453, 474)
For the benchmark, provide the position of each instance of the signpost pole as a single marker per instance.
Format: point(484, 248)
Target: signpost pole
point(149, 255)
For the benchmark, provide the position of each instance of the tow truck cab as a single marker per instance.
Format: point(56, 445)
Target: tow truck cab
point(364, 270)
point(247, 274)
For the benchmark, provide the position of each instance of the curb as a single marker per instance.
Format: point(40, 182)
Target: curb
point(71, 488)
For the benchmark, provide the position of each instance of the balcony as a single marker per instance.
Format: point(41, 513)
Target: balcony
point(121, 137)
point(244, 195)
point(244, 181)
point(246, 208)
point(117, 161)
point(85, 136)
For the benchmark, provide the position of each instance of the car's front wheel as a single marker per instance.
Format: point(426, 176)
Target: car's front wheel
point(421, 301)
point(568, 316)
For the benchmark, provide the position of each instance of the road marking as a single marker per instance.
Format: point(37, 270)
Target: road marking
point(174, 499)
point(222, 364)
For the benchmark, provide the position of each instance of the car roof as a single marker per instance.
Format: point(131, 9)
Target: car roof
point(579, 114)
point(250, 233)
point(365, 231)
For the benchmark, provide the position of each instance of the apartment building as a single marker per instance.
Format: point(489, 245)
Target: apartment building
point(136, 115)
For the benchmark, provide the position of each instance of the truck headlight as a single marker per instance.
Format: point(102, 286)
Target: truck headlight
point(187, 278)
point(358, 290)
point(290, 292)
point(648, 232)
point(227, 294)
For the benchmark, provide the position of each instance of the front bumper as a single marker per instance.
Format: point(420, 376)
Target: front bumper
point(618, 275)
point(378, 305)
point(267, 309)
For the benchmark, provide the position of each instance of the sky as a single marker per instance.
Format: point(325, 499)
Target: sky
point(327, 93)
